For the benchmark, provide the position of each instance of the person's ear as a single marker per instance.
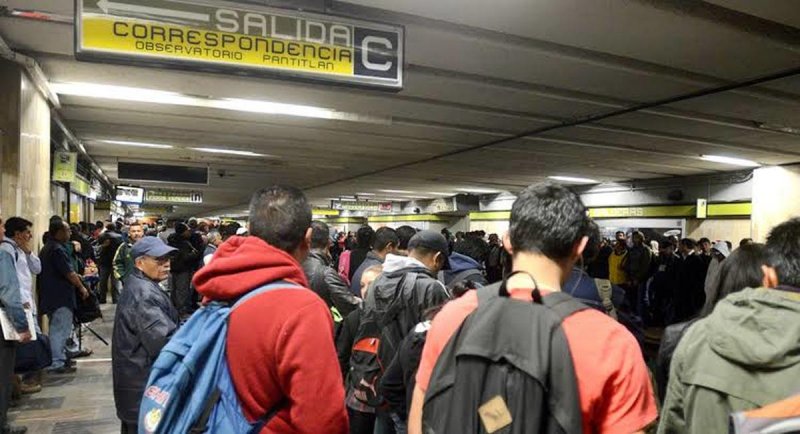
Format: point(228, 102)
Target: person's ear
point(579, 247)
point(770, 277)
point(507, 244)
point(307, 239)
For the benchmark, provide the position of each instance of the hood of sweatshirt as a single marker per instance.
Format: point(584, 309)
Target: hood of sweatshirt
point(757, 328)
point(242, 264)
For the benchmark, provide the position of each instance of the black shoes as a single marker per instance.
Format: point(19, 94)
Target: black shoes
point(14, 430)
point(64, 370)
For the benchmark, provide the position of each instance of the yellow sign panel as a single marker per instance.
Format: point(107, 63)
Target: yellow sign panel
point(123, 35)
point(248, 37)
point(65, 166)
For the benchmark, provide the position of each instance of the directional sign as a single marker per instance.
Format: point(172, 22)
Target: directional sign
point(223, 36)
point(172, 196)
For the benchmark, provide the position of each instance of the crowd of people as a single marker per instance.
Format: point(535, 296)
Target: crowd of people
point(418, 331)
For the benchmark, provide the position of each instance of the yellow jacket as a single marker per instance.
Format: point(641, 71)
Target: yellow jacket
point(616, 271)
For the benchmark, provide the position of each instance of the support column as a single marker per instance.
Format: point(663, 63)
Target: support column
point(775, 193)
point(24, 148)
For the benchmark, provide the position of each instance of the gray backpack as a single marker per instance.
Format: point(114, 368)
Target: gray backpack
point(507, 369)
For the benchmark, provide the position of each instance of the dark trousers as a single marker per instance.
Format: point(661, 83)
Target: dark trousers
point(361, 423)
point(8, 351)
point(107, 284)
point(129, 428)
point(181, 286)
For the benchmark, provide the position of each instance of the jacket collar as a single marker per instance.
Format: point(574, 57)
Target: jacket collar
point(321, 255)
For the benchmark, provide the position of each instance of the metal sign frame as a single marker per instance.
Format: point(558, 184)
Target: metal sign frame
point(139, 59)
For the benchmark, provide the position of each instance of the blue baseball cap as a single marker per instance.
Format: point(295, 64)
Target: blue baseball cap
point(151, 246)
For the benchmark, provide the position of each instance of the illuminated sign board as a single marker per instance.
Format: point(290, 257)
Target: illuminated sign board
point(130, 194)
point(224, 36)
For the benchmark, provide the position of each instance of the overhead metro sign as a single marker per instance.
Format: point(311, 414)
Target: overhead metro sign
point(225, 36)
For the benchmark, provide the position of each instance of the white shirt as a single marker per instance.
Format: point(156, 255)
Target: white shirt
point(27, 265)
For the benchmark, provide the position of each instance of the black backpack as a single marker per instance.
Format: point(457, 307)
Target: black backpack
point(377, 341)
point(507, 369)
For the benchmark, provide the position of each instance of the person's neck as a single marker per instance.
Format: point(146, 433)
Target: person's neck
point(548, 273)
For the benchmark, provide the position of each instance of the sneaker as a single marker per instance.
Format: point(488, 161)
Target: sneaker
point(14, 430)
point(29, 389)
point(86, 352)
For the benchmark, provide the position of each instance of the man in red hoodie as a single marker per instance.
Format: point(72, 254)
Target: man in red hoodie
point(280, 343)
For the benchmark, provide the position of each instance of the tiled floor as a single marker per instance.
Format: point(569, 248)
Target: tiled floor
point(79, 403)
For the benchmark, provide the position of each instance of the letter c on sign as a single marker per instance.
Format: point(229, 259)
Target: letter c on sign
point(375, 40)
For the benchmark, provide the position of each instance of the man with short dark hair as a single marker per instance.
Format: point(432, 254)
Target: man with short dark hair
point(385, 242)
point(466, 264)
point(689, 293)
point(547, 235)
point(744, 355)
point(279, 346)
point(364, 238)
point(184, 265)
point(123, 261)
point(59, 283)
point(18, 242)
point(144, 322)
point(322, 278)
point(12, 304)
point(404, 235)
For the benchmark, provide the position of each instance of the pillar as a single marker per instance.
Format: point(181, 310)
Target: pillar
point(775, 193)
point(24, 149)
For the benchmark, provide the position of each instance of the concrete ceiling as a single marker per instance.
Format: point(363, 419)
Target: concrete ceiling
point(497, 95)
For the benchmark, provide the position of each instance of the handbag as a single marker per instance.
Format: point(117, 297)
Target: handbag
point(34, 355)
point(88, 309)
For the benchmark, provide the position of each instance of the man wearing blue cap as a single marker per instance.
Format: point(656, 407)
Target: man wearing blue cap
point(145, 321)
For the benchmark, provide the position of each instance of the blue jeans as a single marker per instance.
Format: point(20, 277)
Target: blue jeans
point(60, 329)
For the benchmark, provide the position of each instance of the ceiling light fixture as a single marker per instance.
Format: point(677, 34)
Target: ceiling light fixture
point(137, 144)
point(574, 179)
point(135, 94)
point(230, 152)
point(398, 191)
point(729, 160)
point(479, 190)
point(365, 194)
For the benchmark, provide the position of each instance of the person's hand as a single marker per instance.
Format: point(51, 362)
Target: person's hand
point(84, 293)
point(25, 337)
point(26, 246)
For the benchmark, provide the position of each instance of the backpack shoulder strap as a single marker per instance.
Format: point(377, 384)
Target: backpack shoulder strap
point(13, 247)
point(266, 288)
point(563, 304)
point(605, 290)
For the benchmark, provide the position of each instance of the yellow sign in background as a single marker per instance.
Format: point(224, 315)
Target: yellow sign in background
point(65, 166)
point(160, 40)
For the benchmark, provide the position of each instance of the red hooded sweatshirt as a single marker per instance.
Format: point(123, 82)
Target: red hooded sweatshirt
point(280, 343)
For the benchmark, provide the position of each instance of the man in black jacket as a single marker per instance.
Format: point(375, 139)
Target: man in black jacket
point(384, 243)
point(323, 279)
point(398, 300)
point(184, 264)
point(144, 322)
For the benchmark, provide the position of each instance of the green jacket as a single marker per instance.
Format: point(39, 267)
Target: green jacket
point(123, 262)
point(746, 354)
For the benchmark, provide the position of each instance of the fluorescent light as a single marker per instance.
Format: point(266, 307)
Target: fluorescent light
point(574, 179)
point(230, 152)
point(479, 190)
point(729, 160)
point(436, 193)
point(137, 144)
point(365, 194)
point(136, 94)
point(398, 191)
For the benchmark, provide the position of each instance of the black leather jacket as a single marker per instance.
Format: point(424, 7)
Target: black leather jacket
point(327, 283)
point(144, 322)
